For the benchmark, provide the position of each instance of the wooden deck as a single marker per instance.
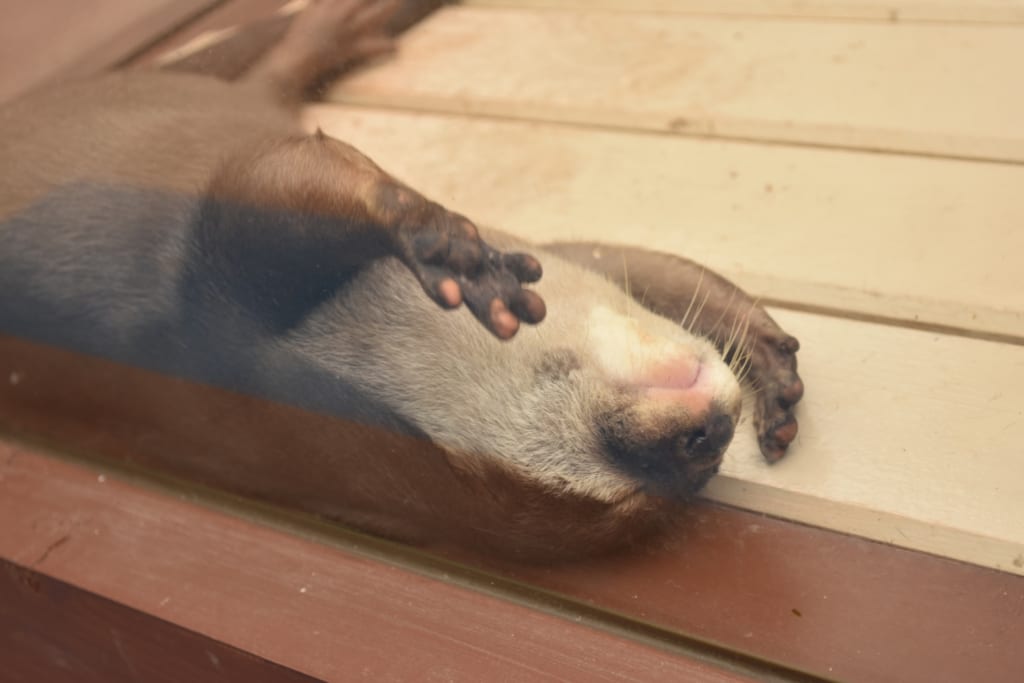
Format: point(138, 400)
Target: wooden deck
point(858, 165)
point(861, 176)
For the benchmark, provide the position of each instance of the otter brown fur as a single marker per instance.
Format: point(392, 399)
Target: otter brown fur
point(231, 299)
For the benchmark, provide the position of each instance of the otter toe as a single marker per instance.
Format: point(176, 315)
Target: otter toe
point(502, 322)
point(525, 267)
point(449, 293)
point(529, 306)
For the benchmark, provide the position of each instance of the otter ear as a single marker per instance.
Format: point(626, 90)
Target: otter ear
point(708, 305)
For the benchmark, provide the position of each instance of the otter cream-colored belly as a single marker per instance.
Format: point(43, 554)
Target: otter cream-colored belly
point(577, 403)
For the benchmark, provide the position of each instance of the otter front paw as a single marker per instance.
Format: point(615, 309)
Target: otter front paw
point(454, 265)
point(779, 389)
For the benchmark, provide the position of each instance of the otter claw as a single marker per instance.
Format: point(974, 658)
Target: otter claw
point(781, 390)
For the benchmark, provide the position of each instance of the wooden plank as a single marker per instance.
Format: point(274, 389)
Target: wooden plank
point(310, 607)
point(52, 631)
point(987, 11)
point(909, 437)
point(918, 240)
point(41, 40)
point(832, 605)
point(861, 86)
point(836, 606)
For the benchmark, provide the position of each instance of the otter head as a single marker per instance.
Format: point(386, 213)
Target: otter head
point(669, 405)
point(605, 400)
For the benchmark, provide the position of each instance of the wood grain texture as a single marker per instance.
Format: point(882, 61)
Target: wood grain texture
point(985, 11)
point(41, 40)
point(313, 608)
point(52, 631)
point(918, 240)
point(862, 86)
point(834, 605)
point(826, 603)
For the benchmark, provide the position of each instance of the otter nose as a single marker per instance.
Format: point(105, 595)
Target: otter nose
point(708, 440)
point(676, 464)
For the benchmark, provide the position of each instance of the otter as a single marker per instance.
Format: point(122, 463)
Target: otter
point(191, 282)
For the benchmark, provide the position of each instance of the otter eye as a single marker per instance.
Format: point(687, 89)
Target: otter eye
point(557, 364)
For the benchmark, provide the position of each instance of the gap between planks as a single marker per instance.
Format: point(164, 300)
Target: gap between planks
point(761, 133)
point(838, 85)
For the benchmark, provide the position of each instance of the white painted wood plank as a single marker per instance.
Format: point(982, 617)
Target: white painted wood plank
point(908, 437)
point(995, 11)
point(925, 240)
point(923, 88)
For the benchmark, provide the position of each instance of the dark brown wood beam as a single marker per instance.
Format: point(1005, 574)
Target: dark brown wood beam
point(100, 569)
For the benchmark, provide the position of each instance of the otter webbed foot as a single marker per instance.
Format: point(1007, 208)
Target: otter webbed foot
point(445, 252)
